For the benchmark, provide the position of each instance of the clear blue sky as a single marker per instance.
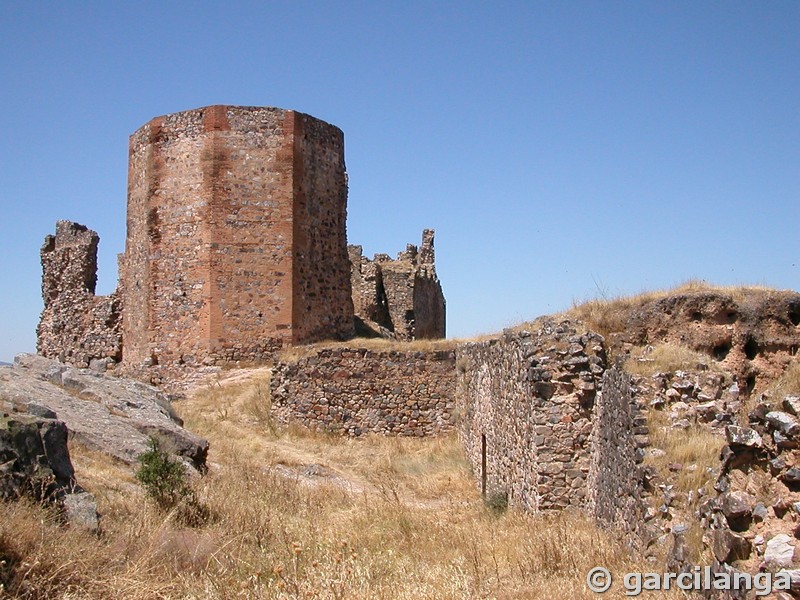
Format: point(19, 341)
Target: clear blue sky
point(560, 149)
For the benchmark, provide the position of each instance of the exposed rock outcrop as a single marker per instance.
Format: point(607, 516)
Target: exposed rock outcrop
point(751, 333)
point(116, 416)
point(35, 462)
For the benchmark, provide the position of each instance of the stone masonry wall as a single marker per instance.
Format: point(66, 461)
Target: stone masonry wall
point(616, 494)
point(546, 425)
point(403, 296)
point(236, 247)
point(525, 402)
point(323, 306)
point(358, 391)
point(76, 326)
point(236, 236)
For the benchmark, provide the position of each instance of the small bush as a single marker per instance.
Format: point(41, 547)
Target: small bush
point(497, 502)
point(165, 480)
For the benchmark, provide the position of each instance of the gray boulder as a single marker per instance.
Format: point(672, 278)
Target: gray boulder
point(779, 551)
point(111, 414)
point(792, 404)
point(743, 437)
point(783, 422)
point(35, 462)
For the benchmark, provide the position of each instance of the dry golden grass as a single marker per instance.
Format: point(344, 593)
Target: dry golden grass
point(410, 526)
point(294, 353)
point(665, 358)
point(235, 418)
point(609, 315)
point(697, 450)
point(788, 384)
point(696, 446)
point(276, 539)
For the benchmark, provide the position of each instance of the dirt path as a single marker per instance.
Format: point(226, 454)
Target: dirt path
point(305, 460)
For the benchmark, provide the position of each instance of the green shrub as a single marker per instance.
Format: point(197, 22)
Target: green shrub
point(497, 502)
point(166, 481)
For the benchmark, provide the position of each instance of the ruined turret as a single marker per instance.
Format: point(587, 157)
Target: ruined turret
point(401, 297)
point(76, 326)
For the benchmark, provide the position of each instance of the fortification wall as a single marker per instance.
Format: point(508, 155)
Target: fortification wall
point(236, 247)
point(546, 426)
point(358, 391)
point(76, 326)
point(236, 236)
point(526, 402)
point(616, 494)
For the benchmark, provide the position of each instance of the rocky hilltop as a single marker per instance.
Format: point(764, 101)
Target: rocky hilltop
point(671, 420)
point(751, 333)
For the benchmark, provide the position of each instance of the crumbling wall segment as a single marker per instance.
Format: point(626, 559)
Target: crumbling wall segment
point(76, 326)
point(751, 333)
point(403, 296)
point(616, 479)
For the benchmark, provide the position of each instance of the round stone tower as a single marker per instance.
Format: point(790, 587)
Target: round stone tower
point(236, 241)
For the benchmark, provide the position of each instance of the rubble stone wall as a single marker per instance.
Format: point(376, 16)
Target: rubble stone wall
point(619, 436)
point(323, 306)
point(525, 403)
point(236, 236)
point(236, 247)
point(358, 391)
point(76, 326)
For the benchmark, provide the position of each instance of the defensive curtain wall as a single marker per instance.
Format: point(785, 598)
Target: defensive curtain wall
point(547, 426)
point(545, 423)
point(359, 390)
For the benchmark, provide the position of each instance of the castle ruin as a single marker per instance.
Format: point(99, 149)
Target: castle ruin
point(236, 246)
point(400, 298)
point(76, 326)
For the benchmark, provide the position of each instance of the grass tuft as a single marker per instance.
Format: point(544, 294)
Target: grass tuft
point(697, 449)
point(788, 384)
